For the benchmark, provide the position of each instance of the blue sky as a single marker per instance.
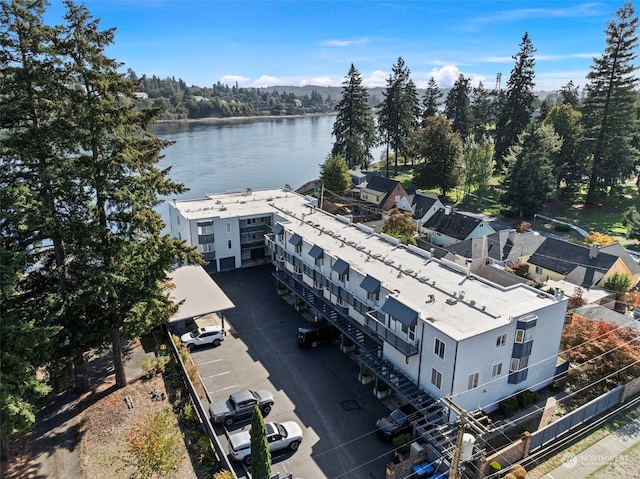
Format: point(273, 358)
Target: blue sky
point(266, 43)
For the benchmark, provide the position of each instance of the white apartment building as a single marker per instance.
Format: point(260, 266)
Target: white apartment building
point(427, 327)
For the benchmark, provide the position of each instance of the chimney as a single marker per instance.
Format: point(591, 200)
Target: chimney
point(512, 236)
point(593, 251)
point(447, 210)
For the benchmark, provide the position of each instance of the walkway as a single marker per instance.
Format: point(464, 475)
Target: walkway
point(606, 450)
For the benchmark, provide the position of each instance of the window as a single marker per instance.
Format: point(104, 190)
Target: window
point(529, 334)
point(501, 341)
point(343, 277)
point(205, 230)
point(473, 380)
point(229, 244)
point(538, 270)
point(519, 335)
point(438, 349)
point(207, 247)
point(299, 248)
point(178, 217)
point(409, 331)
point(228, 227)
point(519, 364)
point(373, 296)
point(496, 370)
point(436, 378)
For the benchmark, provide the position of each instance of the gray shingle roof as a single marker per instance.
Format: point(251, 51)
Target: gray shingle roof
point(422, 203)
point(455, 225)
point(573, 261)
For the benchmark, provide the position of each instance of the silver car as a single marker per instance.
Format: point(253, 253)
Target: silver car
point(286, 435)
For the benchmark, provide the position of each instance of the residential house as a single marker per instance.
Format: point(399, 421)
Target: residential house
point(587, 267)
point(502, 248)
point(382, 192)
point(424, 206)
point(446, 227)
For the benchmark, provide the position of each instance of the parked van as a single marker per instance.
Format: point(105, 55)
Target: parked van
point(314, 335)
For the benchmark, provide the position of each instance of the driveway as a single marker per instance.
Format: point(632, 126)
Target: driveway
point(318, 387)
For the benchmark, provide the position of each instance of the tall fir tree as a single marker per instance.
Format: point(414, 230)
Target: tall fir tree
point(260, 454)
point(529, 180)
point(517, 106)
point(124, 260)
point(458, 107)
point(610, 110)
point(482, 113)
point(397, 114)
point(354, 129)
point(430, 100)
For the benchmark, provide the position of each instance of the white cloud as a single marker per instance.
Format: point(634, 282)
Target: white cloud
point(377, 78)
point(266, 80)
point(232, 79)
point(445, 76)
point(320, 81)
point(343, 43)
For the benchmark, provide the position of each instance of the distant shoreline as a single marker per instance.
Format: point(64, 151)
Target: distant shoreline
point(240, 119)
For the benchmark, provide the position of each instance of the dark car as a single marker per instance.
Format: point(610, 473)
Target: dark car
point(314, 335)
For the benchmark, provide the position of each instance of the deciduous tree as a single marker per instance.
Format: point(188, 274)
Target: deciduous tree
point(154, 445)
point(603, 350)
point(518, 104)
point(441, 152)
point(354, 129)
point(610, 111)
point(399, 224)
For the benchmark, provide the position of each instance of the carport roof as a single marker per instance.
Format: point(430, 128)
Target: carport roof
point(200, 293)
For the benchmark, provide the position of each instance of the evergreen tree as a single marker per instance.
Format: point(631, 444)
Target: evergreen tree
point(529, 180)
point(397, 114)
point(569, 95)
point(441, 151)
point(458, 107)
point(430, 100)
point(631, 220)
point(610, 114)
point(354, 128)
point(260, 454)
point(123, 261)
point(334, 175)
point(482, 113)
point(517, 106)
point(569, 163)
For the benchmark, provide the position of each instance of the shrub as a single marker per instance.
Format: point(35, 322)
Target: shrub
point(562, 228)
point(518, 472)
point(495, 467)
point(526, 397)
point(508, 406)
point(224, 474)
point(402, 443)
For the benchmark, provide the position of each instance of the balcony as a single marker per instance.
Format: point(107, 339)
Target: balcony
point(391, 337)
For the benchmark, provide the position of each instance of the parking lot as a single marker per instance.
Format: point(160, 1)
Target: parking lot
point(318, 388)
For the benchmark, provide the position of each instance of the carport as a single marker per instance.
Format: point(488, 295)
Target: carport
point(197, 295)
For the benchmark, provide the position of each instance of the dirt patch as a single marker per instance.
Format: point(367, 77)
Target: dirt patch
point(106, 423)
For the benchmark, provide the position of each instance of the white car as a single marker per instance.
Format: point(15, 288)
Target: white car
point(286, 435)
point(201, 336)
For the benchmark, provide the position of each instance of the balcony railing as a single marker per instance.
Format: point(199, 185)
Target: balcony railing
point(390, 337)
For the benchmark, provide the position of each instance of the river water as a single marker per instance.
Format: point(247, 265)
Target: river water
point(217, 156)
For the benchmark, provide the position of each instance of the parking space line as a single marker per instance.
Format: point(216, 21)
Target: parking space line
point(209, 362)
point(228, 387)
point(215, 375)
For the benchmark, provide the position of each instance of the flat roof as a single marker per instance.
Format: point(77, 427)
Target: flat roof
point(200, 293)
point(431, 287)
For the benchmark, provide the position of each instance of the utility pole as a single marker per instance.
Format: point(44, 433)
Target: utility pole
point(455, 461)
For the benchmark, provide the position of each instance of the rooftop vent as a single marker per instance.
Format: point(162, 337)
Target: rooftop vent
point(451, 301)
